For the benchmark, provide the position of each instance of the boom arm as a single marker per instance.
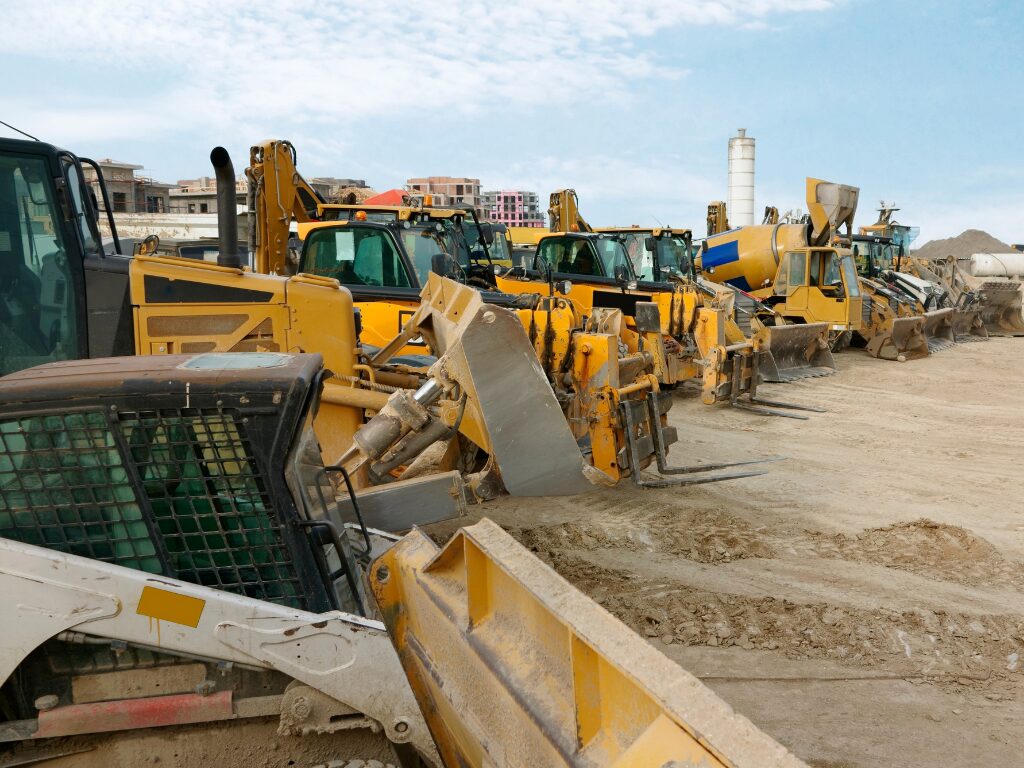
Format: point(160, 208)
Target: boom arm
point(277, 195)
point(564, 212)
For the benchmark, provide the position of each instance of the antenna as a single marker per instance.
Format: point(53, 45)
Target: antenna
point(19, 130)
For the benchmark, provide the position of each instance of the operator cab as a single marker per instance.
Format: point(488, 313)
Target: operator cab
point(657, 255)
point(51, 256)
point(599, 258)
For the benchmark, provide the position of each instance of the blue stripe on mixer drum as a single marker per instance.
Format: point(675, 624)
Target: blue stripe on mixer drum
point(717, 255)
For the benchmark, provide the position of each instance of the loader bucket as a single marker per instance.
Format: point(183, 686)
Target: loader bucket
point(968, 326)
point(796, 352)
point(938, 329)
point(1001, 308)
point(902, 337)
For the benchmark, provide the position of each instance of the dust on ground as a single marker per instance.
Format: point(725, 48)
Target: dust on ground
point(862, 602)
point(965, 244)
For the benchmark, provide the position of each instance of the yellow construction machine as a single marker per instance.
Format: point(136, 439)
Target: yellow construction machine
point(805, 273)
point(68, 296)
point(393, 278)
point(178, 582)
point(696, 318)
point(983, 300)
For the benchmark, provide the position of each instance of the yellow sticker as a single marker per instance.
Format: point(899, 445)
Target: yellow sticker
point(170, 606)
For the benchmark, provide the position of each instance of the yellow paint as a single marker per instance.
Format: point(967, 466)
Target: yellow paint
point(164, 605)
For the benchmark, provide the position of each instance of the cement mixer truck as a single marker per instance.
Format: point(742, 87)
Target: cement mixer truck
point(805, 273)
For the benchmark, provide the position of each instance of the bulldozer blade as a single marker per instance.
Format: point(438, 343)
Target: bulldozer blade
point(532, 445)
point(968, 326)
point(902, 339)
point(796, 352)
point(938, 329)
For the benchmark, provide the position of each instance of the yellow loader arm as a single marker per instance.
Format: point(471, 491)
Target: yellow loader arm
point(511, 665)
point(564, 212)
point(277, 195)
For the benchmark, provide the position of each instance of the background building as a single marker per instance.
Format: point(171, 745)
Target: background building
point(513, 207)
point(448, 190)
point(200, 195)
point(129, 193)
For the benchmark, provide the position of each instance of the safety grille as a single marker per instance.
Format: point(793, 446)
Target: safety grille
point(68, 482)
point(865, 310)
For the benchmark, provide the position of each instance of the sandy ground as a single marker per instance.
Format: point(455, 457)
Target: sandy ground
point(862, 602)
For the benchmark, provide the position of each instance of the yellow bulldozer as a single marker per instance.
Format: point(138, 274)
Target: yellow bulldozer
point(805, 273)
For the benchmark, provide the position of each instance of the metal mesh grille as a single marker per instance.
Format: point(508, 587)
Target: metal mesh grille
point(210, 502)
point(64, 485)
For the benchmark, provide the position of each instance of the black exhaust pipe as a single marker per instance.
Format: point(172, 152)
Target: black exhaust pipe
point(227, 217)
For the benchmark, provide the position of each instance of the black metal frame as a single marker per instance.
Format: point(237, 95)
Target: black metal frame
point(634, 414)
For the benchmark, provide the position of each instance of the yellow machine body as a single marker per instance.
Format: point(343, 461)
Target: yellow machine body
point(248, 312)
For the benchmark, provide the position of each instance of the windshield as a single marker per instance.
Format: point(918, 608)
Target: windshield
point(423, 241)
point(673, 254)
point(355, 255)
point(612, 251)
point(500, 248)
point(849, 271)
point(593, 256)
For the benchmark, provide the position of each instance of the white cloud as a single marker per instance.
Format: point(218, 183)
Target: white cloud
point(252, 64)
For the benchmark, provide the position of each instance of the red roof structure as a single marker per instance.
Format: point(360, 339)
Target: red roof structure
point(391, 197)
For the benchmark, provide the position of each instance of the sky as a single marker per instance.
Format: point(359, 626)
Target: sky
point(632, 104)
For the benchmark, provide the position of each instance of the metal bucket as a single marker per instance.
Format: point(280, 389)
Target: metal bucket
point(796, 352)
point(902, 339)
point(968, 327)
point(938, 329)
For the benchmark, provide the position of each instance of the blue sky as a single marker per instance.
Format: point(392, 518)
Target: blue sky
point(632, 104)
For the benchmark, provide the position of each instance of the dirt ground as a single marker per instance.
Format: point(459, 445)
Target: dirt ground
point(862, 602)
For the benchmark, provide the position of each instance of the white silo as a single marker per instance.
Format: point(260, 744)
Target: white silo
point(741, 180)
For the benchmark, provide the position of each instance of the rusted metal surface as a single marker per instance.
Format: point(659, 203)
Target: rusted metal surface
point(129, 714)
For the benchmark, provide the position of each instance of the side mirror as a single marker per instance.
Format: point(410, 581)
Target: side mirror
point(442, 264)
point(487, 233)
point(621, 274)
point(651, 243)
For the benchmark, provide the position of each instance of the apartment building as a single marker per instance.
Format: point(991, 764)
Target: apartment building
point(513, 207)
point(447, 190)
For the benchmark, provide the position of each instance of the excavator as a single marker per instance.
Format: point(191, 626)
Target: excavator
point(177, 579)
point(68, 295)
point(695, 317)
point(805, 272)
point(608, 398)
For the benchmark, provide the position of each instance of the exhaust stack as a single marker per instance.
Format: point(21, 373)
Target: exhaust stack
point(227, 221)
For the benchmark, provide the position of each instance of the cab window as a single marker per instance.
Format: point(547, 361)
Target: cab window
point(792, 273)
point(355, 255)
point(613, 254)
point(38, 301)
point(573, 256)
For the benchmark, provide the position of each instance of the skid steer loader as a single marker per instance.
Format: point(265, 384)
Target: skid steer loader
point(172, 561)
